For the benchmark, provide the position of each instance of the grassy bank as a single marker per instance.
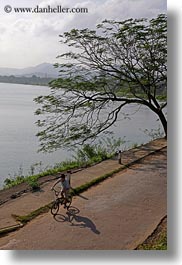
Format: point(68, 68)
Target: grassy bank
point(87, 156)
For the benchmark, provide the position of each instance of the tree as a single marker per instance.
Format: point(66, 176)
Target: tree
point(119, 63)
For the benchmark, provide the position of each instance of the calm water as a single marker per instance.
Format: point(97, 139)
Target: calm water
point(18, 143)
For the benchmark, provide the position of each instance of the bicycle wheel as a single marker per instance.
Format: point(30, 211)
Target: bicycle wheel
point(55, 207)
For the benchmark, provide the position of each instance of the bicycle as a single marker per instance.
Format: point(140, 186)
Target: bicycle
point(60, 201)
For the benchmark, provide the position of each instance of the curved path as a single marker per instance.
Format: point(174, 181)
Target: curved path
point(119, 213)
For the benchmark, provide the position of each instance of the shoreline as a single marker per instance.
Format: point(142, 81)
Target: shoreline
point(22, 188)
point(23, 209)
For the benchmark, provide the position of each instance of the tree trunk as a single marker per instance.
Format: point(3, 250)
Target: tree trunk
point(163, 121)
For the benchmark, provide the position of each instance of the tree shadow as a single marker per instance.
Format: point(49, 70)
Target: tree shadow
point(83, 197)
point(76, 220)
point(152, 164)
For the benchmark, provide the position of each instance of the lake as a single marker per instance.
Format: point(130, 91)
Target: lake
point(19, 145)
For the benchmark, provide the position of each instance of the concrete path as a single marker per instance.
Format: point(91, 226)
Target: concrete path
point(29, 202)
point(119, 213)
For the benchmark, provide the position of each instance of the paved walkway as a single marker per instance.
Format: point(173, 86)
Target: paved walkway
point(119, 214)
point(29, 202)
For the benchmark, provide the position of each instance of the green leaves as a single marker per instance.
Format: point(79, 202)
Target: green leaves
point(122, 62)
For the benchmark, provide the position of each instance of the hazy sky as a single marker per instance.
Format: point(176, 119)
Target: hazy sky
point(27, 39)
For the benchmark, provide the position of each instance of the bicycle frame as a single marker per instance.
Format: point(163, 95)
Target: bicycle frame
point(60, 201)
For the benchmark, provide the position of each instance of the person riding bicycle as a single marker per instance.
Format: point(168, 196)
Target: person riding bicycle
point(64, 182)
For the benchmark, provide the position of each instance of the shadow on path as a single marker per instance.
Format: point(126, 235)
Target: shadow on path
point(76, 220)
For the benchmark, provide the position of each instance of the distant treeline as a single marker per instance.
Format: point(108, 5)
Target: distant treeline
point(33, 80)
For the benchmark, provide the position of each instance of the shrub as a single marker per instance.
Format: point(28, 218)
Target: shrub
point(104, 149)
point(33, 183)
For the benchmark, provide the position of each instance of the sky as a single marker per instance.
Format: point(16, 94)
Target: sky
point(28, 39)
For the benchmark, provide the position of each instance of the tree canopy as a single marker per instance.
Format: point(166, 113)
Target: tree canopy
point(119, 63)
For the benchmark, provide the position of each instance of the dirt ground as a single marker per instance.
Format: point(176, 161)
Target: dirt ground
point(19, 190)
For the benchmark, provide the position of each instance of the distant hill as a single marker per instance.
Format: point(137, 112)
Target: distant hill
point(44, 70)
point(26, 80)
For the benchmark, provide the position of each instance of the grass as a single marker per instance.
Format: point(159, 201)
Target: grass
point(159, 244)
point(24, 219)
point(158, 239)
point(87, 156)
point(5, 230)
point(31, 180)
point(95, 181)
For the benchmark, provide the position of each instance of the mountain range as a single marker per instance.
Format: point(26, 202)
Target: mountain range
point(41, 70)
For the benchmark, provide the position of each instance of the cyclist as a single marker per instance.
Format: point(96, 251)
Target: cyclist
point(64, 184)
